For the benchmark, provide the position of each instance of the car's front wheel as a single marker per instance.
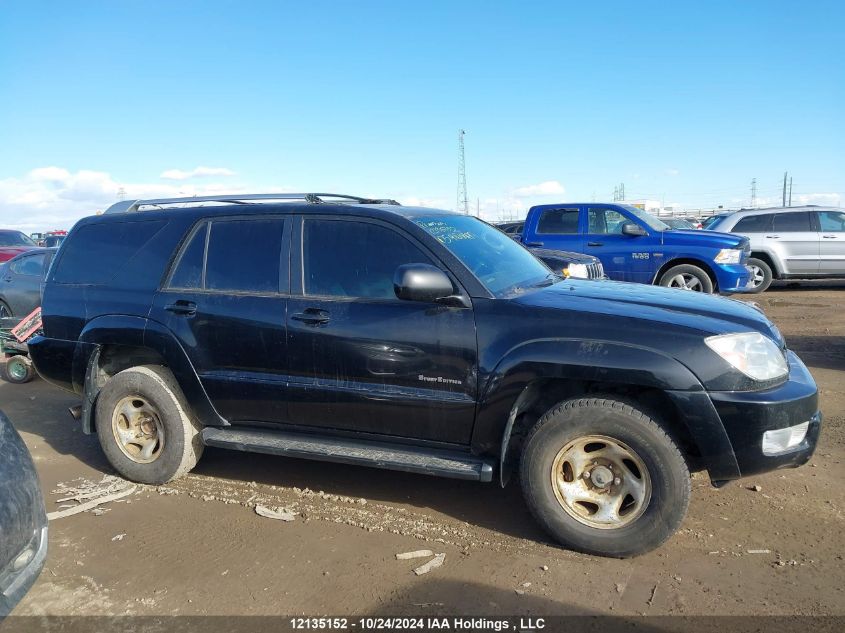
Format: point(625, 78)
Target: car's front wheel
point(602, 477)
point(144, 425)
point(687, 277)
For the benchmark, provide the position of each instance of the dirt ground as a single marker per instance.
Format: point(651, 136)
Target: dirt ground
point(197, 546)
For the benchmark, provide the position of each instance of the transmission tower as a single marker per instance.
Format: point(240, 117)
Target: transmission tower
point(753, 192)
point(463, 204)
point(121, 194)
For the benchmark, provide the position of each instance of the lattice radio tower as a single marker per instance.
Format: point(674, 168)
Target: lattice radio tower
point(463, 204)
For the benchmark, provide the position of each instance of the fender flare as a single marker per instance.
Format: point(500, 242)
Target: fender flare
point(139, 332)
point(508, 387)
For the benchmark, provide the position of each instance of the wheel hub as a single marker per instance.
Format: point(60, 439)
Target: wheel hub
point(601, 482)
point(138, 430)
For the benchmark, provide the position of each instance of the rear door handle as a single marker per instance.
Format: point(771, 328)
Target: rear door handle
point(182, 308)
point(312, 316)
point(595, 243)
point(829, 237)
point(533, 244)
point(773, 237)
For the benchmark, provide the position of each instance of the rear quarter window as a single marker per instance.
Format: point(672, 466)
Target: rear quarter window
point(95, 253)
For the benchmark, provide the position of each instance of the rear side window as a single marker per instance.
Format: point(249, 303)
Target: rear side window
point(96, 252)
point(244, 255)
point(557, 221)
point(832, 221)
point(240, 256)
point(792, 222)
point(32, 266)
point(754, 224)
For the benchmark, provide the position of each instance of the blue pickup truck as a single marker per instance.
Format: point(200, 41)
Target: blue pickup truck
point(634, 245)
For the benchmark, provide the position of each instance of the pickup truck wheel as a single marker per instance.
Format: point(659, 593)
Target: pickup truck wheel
point(144, 426)
point(687, 277)
point(604, 478)
point(761, 275)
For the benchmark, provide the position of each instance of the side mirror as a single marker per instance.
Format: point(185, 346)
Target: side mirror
point(633, 230)
point(421, 282)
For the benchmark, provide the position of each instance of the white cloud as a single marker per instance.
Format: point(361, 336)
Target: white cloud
point(673, 172)
point(55, 198)
point(196, 172)
point(547, 188)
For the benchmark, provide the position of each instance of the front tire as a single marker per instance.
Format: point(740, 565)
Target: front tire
point(604, 478)
point(761, 275)
point(144, 425)
point(687, 277)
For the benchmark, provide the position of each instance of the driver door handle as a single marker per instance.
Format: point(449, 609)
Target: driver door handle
point(773, 237)
point(182, 308)
point(595, 243)
point(533, 244)
point(312, 316)
point(829, 237)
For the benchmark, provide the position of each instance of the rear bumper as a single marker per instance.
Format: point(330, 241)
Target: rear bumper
point(747, 415)
point(732, 278)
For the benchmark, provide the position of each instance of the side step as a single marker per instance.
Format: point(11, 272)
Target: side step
point(412, 459)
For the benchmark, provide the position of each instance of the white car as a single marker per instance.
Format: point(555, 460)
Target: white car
point(790, 242)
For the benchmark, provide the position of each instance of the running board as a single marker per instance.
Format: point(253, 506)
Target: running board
point(412, 459)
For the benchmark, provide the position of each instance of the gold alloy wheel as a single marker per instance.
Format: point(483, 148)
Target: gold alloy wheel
point(601, 482)
point(138, 430)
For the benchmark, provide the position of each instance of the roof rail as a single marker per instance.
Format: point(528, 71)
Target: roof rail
point(130, 206)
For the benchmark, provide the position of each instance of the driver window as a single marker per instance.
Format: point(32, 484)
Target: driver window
point(605, 221)
point(355, 259)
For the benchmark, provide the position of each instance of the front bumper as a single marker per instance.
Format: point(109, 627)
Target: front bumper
point(15, 583)
point(747, 415)
point(732, 278)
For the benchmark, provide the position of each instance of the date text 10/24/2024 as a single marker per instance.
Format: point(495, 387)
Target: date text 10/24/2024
point(418, 624)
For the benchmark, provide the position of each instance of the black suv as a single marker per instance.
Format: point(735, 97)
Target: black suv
point(364, 332)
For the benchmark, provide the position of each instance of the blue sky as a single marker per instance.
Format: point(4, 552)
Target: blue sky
point(685, 102)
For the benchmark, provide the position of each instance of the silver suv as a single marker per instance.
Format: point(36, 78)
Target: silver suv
point(790, 243)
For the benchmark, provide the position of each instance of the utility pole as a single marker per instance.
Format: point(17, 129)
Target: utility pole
point(790, 191)
point(463, 204)
point(478, 207)
point(783, 204)
point(622, 191)
point(753, 193)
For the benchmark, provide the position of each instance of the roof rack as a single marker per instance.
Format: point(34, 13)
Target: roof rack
point(130, 206)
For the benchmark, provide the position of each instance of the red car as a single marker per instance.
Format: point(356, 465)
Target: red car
point(13, 243)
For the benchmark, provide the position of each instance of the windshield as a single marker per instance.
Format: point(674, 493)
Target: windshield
point(502, 265)
point(651, 221)
point(14, 238)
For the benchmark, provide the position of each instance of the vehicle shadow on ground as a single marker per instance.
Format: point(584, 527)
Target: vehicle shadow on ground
point(824, 352)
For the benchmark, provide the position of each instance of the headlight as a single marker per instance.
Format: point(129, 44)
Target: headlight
point(728, 256)
point(753, 354)
point(579, 271)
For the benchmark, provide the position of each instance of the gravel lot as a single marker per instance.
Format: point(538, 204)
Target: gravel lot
point(198, 547)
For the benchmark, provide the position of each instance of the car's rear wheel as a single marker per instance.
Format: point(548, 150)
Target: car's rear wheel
point(602, 477)
point(144, 425)
point(761, 275)
point(687, 277)
point(5, 311)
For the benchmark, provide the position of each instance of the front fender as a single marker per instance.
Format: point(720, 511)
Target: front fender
point(580, 361)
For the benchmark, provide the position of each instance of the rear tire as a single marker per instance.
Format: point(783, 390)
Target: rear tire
point(687, 277)
point(144, 425)
point(5, 311)
point(761, 275)
point(604, 478)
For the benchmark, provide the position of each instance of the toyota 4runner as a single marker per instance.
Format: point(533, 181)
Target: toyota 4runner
point(363, 332)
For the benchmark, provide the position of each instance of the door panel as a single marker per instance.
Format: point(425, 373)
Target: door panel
point(624, 257)
point(831, 242)
point(228, 310)
point(359, 358)
point(21, 285)
point(796, 239)
point(556, 229)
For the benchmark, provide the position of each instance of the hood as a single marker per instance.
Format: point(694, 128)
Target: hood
point(569, 256)
point(667, 308)
point(693, 237)
point(8, 252)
